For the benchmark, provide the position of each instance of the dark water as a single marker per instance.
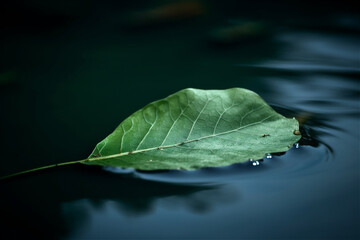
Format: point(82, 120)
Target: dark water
point(71, 72)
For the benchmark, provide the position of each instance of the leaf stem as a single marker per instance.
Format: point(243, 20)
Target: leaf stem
point(68, 163)
point(41, 168)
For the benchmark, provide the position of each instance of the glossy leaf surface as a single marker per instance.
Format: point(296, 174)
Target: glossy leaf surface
point(195, 128)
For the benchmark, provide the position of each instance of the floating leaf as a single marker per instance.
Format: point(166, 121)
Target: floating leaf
point(195, 128)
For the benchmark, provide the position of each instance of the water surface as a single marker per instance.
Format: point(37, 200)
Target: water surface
point(72, 85)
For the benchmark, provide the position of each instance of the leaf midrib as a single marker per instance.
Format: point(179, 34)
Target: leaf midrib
point(173, 145)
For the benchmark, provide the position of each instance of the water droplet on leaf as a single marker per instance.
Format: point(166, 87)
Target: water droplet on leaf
point(256, 163)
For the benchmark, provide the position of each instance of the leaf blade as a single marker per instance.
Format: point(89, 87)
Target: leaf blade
point(197, 128)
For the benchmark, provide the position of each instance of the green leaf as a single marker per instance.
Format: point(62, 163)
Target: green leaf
point(195, 128)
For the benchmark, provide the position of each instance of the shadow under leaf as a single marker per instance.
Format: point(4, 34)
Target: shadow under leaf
point(34, 203)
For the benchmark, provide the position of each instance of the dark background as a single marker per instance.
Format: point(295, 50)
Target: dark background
point(71, 71)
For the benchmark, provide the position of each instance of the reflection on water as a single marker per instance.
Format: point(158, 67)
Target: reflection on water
point(104, 219)
point(70, 201)
point(305, 66)
point(76, 81)
point(315, 52)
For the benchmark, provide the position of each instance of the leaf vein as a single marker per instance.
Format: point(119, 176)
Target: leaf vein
point(181, 114)
point(197, 118)
point(149, 130)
